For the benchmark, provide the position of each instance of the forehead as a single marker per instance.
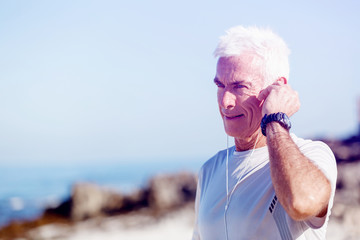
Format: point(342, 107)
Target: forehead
point(238, 68)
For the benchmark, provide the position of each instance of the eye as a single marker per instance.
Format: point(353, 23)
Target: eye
point(219, 84)
point(238, 86)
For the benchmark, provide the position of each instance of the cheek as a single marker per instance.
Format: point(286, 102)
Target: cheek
point(220, 91)
point(218, 96)
point(253, 105)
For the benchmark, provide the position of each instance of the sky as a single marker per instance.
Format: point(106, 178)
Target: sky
point(116, 81)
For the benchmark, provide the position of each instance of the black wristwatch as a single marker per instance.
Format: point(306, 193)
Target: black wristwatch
point(279, 117)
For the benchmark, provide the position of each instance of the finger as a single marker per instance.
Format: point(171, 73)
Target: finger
point(265, 92)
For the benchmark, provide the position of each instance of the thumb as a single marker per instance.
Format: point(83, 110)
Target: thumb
point(263, 94)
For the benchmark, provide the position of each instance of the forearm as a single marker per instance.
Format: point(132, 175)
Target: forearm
point(300, 186)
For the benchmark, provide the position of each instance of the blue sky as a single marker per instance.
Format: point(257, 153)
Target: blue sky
point(96, 81)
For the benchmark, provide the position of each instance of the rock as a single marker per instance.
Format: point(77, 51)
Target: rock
point(63, 210)
point(348, 184)
point(163, 193)
point(90, 200)
point(347, 150)
point(169, 191)
point(343, 223)
point(134, 201)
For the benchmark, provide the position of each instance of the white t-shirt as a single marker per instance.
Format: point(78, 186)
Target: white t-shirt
point(254, 212)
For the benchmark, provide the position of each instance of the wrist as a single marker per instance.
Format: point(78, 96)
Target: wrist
point(280, 118)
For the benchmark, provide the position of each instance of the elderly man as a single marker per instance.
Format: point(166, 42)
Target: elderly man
point(271, 184)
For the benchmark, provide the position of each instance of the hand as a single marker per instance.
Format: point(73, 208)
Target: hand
point(279, 97)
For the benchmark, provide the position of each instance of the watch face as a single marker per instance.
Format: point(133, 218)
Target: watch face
point(286, 121)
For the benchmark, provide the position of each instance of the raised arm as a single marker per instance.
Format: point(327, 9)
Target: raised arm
point(300, 186)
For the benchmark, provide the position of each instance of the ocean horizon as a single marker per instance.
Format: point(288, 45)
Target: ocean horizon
point(26, 191)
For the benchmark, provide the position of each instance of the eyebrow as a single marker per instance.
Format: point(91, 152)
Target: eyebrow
point(216, 80)
point(238, 82)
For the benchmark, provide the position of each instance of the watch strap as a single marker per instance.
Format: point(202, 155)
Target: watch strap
point(279, 117)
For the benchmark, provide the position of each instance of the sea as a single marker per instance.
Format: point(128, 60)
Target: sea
point(26, 191)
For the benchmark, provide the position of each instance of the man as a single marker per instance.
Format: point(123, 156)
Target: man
point(271, 184)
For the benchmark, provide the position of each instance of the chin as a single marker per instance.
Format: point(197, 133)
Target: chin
point(239, 132)
point(236, 134)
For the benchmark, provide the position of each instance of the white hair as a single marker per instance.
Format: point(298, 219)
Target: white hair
point(263, 43)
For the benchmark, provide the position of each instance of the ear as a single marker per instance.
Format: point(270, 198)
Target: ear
point(283, 80)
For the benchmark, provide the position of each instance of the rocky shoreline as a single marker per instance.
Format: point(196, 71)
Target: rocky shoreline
point(91, 206)
point(345, 217)
point(163, 209)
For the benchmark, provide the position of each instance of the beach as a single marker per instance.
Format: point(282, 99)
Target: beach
point(176, 225)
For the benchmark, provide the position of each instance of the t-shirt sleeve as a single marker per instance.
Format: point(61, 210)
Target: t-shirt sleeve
point(322, 156)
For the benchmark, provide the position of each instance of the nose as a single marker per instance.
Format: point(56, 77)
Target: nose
point(227, 100)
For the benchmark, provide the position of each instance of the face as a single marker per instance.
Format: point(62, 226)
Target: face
point(239, 84)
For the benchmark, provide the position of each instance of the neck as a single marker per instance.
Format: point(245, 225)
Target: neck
point(245, 144)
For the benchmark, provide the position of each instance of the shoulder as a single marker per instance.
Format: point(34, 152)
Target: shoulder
point(309, 146)
point(320, 154)
point(216, 161)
